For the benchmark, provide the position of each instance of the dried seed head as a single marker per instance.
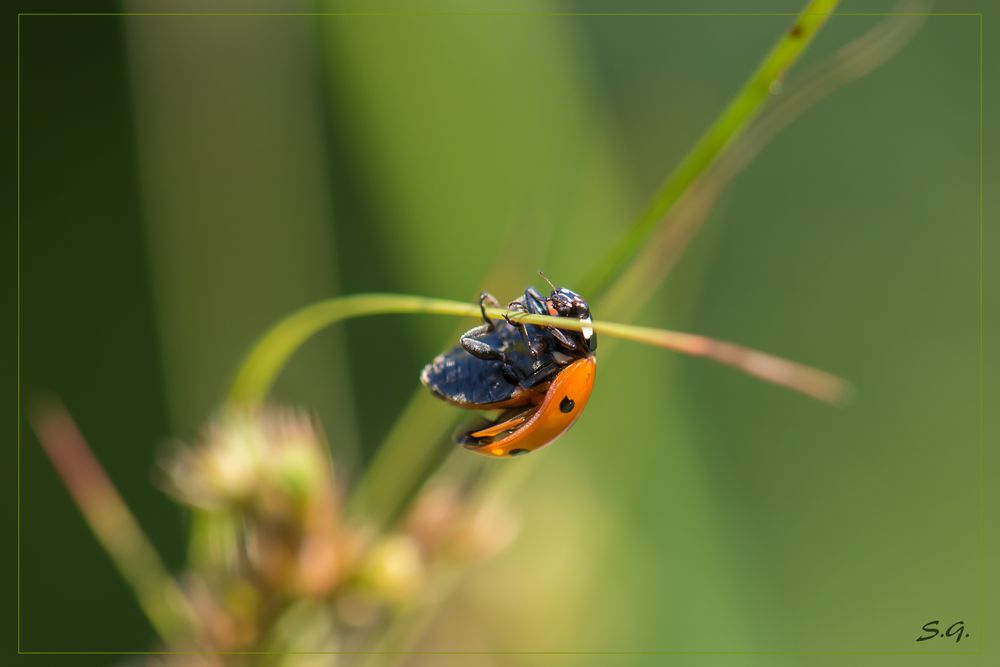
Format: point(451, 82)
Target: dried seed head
point(393, 570)
point(262, 457)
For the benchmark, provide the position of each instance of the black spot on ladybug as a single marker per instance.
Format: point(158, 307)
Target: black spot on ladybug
point(485, 441)
point(567, 404)
point(517, 452)
point(796, 30)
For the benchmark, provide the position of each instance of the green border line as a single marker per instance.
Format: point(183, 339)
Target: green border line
point(497, 13)
point(982, 448)
point(982, 441)
point(19, 333)
point(433, 652)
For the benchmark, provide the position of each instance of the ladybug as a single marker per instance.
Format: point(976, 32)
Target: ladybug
point(538, 377)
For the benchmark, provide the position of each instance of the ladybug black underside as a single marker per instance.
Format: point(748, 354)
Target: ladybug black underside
point(462, 379)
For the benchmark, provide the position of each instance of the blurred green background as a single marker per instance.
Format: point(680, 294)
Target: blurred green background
point(187, 181)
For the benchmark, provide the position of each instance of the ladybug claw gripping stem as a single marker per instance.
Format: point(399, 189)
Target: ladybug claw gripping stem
point(514, 308)
point(487, 299)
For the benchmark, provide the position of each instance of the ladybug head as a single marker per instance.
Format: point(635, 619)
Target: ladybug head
point(567, 303)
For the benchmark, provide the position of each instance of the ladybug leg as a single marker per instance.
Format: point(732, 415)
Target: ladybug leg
point(535, 301)
point(471, 343)
point(523, 329)
point(540, 375)
point(564, 340)
point(477, 348)
point(535, 304)
point(469, 339)
point(513, 307)
point(487, 299)
point(519, 307)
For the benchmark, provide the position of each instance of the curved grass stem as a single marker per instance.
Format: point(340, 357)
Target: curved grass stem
point(273, 350)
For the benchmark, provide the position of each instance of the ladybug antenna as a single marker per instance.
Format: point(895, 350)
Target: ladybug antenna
point(542, 274)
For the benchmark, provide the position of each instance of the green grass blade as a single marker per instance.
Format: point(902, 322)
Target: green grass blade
point(731, 123)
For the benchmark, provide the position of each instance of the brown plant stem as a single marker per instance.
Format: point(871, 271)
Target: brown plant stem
point(160, 598)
